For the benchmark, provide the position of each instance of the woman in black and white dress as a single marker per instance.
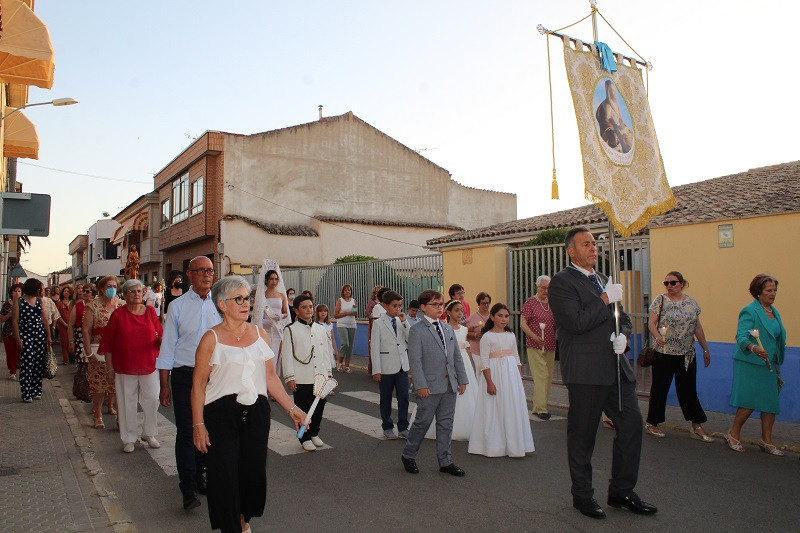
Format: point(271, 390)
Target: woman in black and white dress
point(32, 335)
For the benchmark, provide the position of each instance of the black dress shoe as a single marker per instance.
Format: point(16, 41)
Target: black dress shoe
point(543, 416)
point(453, 470)
point(631, 502)
point(410, 465)
point(588, 507)
point(202, 485)
point(190, 500)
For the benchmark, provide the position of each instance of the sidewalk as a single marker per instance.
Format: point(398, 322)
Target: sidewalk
point(785, 435)
point(49, 480)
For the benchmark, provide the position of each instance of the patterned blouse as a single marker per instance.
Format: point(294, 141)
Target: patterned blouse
point(680, 319)
point(101, 316)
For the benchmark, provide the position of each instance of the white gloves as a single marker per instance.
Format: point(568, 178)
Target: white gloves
point(619, 342)
point(614, 291)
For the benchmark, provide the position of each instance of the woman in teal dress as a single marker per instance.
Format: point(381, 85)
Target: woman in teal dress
point(756, 364)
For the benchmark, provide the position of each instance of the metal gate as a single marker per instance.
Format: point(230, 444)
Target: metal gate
point(409, 276)
point(633, 264)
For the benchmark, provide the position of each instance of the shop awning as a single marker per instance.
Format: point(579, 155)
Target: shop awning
point(26, 52)
point(123, 230)
point(139, 222)
point(20, 138)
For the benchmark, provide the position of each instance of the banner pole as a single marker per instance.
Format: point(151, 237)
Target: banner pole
point(612, 251)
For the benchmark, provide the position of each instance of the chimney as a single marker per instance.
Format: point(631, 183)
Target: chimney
point(320, 111)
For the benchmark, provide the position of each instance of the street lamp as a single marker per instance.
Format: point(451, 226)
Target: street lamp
point(57, 102)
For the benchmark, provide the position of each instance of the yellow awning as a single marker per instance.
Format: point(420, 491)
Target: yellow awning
point(20, 139)
point(26, 52)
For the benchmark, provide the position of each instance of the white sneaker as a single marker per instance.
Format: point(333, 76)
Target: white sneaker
point(151, 441)
point(317, 442)
point(309, 446)
point(128, 448)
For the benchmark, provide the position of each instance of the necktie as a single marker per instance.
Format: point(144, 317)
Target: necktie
point(439, 331)
point(394, 325)
point(596, 282)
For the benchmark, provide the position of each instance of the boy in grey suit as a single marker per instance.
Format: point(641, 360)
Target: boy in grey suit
point(438, 370)
point(390, 362)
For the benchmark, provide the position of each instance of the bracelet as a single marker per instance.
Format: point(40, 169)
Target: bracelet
point(705, 351)
point(289, 412)
point(200, 424)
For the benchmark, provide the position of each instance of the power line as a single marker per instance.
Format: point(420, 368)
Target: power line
point(254, 195)
point(94, 176)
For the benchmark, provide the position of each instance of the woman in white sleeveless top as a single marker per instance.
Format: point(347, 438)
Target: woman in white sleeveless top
point(345, 313)
point(230, 412)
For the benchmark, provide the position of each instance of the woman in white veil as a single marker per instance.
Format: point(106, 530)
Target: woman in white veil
point(272, 312)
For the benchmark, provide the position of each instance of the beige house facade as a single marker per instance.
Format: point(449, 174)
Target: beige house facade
point(307, 194)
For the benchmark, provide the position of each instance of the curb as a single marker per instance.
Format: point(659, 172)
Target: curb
point(118, 518)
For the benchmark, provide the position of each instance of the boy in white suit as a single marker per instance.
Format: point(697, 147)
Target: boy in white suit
point(388, 352)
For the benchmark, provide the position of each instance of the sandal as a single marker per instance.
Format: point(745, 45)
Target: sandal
point(98, 423)
point(654, 431)
point(769, 448)
point(694, 433)
point(609, 424)
point(339, 367)
point(347, 370)
point(733, 444)
point(112, 411)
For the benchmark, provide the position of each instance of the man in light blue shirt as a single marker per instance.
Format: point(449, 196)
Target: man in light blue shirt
point(188, 318)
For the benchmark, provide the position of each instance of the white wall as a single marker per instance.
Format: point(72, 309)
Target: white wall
point(343, 167)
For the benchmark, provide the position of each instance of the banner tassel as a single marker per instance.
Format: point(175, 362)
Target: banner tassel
point(554, 187)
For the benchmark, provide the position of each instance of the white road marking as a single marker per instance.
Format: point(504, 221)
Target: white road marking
point(535, 418)
point(164, 456)
point(283, 440)
point(374, 397)
point(368, 425)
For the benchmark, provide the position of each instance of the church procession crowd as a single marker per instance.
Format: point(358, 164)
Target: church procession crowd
point(219, 352)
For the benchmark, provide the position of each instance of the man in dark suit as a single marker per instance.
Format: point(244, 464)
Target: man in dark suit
point(590, 352)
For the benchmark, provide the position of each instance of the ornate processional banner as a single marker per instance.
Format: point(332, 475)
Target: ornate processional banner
point(622, 166)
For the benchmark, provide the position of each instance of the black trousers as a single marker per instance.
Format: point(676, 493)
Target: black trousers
point(190, 462)
point(303, 398)
point(586, 403)
point(237, 461)
point(664, 369)
point(398, 384)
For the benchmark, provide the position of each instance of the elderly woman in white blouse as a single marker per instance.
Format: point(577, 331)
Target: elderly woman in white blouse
point(230, 413)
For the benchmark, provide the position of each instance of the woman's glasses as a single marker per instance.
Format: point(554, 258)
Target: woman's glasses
point(241, 299)
point(671, 283)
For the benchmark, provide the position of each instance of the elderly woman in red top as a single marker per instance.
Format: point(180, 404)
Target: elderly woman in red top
point(539, 326)
point(130, 343)
point(64, 304)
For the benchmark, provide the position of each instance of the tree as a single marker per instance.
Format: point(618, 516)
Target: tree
point(353, 258)
point(548, 236)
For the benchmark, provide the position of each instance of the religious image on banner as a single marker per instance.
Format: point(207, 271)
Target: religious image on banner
point(622, 165)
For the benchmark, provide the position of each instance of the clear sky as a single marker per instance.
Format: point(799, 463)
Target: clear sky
point(466, 80)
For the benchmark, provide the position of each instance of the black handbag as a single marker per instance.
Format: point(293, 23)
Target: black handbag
point(647, 355)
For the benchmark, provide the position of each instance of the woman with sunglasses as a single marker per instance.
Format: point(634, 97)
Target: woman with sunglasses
point(674, 324)
point(233, 374)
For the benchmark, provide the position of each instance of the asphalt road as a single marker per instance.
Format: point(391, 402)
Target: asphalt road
point(359, 483)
